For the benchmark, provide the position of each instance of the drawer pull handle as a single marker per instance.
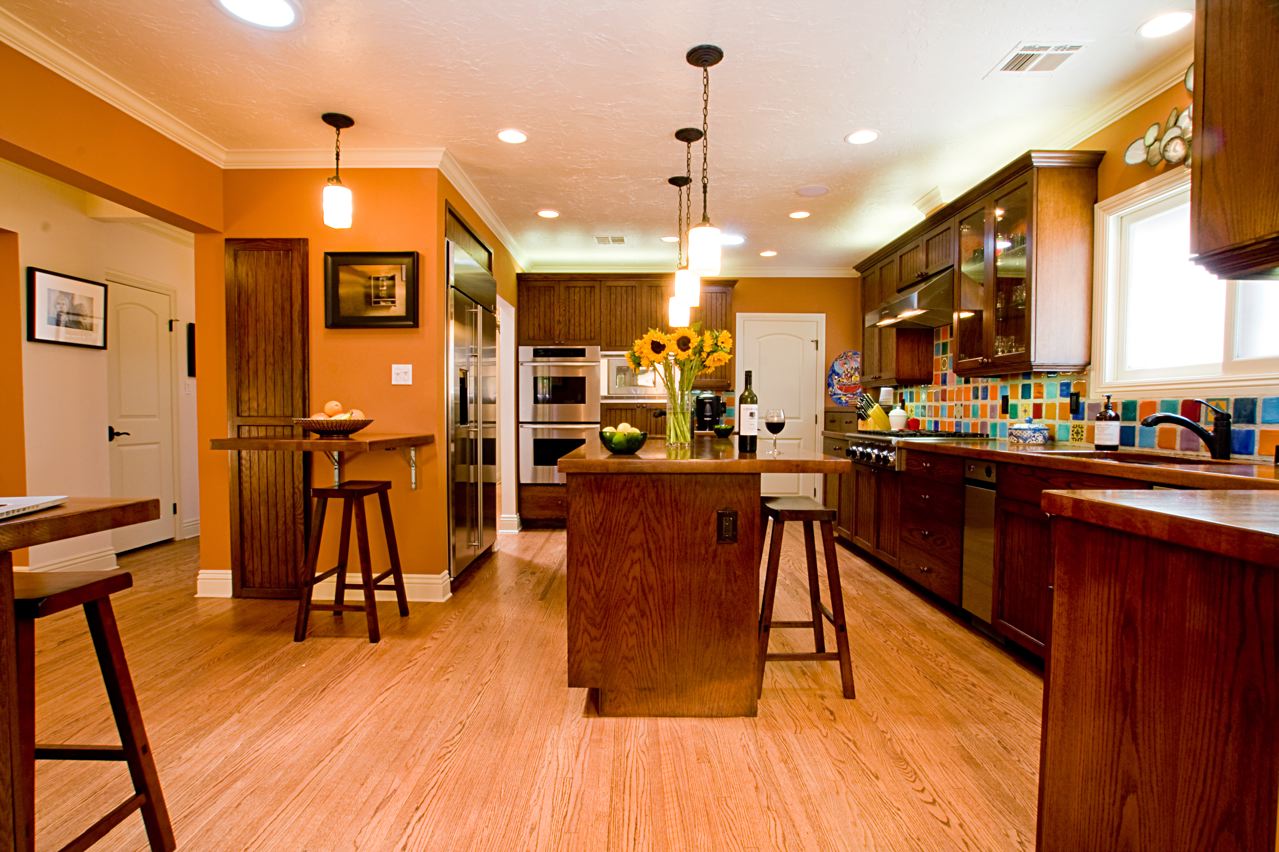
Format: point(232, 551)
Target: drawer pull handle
point(924, 569)
point(925, 496)
point(924, 533)
point(926, 465)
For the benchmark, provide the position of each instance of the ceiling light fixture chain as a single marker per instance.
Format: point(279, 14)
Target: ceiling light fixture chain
point(679, 227)
point(705, 241)
point(688, 190)
point(337, 202)
point(706, 112)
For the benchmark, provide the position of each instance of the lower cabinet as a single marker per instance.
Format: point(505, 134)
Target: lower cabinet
point(932, 524)
point(873, 511)
point(543, 505)
point(648, 417)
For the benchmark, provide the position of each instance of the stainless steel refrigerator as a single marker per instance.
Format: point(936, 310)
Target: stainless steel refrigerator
point(472, 447)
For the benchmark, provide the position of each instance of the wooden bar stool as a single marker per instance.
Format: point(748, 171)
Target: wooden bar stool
point(352, 495)
point(807, 511)
point(37, 594)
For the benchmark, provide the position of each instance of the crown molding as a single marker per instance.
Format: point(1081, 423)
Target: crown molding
point(729, 270)
point(35, 45)
point(769, 271)
point(322, 158)
point(1154, 82)
point(452, 169)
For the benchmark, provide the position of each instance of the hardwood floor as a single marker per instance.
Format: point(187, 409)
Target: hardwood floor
point(457, 732)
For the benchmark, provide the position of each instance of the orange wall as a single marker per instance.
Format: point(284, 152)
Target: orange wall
point(13, 457)
point(1114, 175)
point(52, 126)
point(838, 298)
point(395, 210)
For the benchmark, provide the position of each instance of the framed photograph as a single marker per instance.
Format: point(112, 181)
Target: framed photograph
point(370, 289)
point(65, 309)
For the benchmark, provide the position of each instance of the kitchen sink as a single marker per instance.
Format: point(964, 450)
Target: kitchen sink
point(1128, 457)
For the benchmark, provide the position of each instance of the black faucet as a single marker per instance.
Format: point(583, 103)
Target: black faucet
point(1218, 440)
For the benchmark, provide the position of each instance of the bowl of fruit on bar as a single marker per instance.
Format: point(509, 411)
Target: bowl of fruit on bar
point(334, 421)
point(622, 440)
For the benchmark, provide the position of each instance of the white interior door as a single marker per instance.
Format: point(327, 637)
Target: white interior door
point(785, 353)
point(140, 404)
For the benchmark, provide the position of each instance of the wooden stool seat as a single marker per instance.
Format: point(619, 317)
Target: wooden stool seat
point(807, 511)
point(39, 594)
point(352, 494)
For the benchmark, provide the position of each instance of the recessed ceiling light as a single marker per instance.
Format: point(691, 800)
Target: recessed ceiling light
point(512, 136)
point(800, 214)
point(549, 214)
point(1165, 24)
point(270, 14)
point(768, 253)
point(731, 239)
point(862, 137)
point(670, 239)
point(812, 191)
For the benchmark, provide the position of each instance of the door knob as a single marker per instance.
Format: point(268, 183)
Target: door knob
point(112, 434)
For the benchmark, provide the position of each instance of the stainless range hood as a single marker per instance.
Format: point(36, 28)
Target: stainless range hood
point(928, 304)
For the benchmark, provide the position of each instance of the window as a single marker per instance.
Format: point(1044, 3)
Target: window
point(1164, 323)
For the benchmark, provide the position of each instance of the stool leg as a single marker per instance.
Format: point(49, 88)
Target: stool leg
point(393, 552)
point(366, 571)
point(814, 591)
point(770, 592)
point(763, 535)
point(306, 577)
point(837, 610)
point(25, 780)
point(128, 720)
point(344, 545)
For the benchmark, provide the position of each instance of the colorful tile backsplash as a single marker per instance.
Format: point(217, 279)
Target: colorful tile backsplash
point(1061, 403)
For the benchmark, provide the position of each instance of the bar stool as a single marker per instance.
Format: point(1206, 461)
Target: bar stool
point(38, 594)
point(806, 511)
point(352, 495)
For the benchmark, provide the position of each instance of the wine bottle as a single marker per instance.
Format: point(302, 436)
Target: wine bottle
point(1106, 432)
point(747, 419)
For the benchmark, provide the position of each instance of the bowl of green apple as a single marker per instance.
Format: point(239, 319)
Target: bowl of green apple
point(623, 439)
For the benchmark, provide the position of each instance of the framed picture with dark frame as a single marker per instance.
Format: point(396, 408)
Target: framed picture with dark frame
point(365, 289)
point(65, 309)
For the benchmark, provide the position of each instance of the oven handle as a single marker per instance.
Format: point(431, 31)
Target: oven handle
point(587, 364)
point(581, 427)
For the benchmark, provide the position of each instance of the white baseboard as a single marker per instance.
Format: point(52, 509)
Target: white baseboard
point(425, 588)
point(95, 560)
point(189, 529)
point(508, 523)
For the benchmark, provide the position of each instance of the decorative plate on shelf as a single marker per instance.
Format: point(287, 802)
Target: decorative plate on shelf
point(844, 381)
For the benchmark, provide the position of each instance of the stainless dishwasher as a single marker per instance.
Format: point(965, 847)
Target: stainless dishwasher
point(979, 539)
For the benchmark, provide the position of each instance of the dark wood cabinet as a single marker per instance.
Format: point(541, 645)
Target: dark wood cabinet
point(628, 308)
point(558, 311)
point(537, 307)
point(715, 312)
point(932, 522)
point(1234, 186)
point(648, 417)
point(939, 248)
point(873, 511)
point(910, 265)
point(891, 356)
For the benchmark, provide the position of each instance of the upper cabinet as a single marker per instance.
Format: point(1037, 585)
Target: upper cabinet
point(558, 311)
point(1234, 184)
point(1020, 244)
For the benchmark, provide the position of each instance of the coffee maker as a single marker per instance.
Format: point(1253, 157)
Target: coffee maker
point(708, 411)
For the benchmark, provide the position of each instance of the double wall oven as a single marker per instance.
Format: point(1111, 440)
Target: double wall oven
point(559, 406)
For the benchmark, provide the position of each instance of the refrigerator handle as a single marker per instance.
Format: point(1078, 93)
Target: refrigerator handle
point(477, 430)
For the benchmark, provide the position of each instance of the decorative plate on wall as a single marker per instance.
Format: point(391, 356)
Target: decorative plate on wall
point(844, 381)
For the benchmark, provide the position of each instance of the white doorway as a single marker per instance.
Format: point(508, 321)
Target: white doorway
point(785, 354)
point(140, 394)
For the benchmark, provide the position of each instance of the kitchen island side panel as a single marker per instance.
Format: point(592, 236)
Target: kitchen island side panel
point(662, 617)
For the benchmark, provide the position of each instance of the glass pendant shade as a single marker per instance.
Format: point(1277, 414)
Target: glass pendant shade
point(678, 313)
point(338, 205)
point(704, 249)
point(688, 287)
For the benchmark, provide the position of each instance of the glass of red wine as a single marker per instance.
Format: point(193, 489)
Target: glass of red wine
point(775, 422)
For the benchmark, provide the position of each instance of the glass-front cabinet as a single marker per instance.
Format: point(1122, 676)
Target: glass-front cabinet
point(1011, 256)
point(969, 347)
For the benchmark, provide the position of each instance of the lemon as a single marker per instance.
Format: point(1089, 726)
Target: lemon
point(624, 427)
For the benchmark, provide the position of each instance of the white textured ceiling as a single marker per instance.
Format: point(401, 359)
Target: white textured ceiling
point(601, 86)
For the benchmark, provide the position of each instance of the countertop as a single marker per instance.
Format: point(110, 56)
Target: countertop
point(707, 455)
point(1235, 524)
point(1193, 472)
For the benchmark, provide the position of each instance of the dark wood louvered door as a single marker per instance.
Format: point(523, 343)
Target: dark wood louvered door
point(267, 377)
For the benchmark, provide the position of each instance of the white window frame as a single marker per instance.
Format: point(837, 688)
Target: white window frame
point(1256, 376)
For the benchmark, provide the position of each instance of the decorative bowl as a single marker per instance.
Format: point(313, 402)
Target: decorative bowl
point(722, 430)
point(1029, 432)
point(623, 443)
point(331, 428)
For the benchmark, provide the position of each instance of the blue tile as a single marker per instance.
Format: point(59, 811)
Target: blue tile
point(945, 377)
point(1128, 436)
point(1003, 429)
point(1243, 442)
point(1171, 406)
point(1003, 390)
point(1078, 414)
point(1063, 388)
point(1270, 409)
point(1244, 409)
point(985, 391)
point(1145, 436)
point(1063, 433)
point(1026, 390)
point(1050, 390)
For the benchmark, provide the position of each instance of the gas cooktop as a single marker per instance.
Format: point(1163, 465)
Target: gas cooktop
point(898, 434)
point(880, 448)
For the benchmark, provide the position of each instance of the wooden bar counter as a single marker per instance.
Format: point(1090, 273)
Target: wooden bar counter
point(663, 574)
point(1161, 694)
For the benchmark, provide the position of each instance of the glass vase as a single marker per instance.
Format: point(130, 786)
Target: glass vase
point(679, 419)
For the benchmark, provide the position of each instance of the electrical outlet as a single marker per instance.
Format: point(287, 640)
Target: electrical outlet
point(726, 526)
point(1003, 404)
point(401, 374)
point(1074, 402)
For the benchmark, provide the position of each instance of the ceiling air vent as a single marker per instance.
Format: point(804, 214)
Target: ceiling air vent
point(1035, 57)
point(605, 240)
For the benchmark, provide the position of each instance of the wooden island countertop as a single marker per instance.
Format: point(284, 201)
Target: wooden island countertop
point(707, 455)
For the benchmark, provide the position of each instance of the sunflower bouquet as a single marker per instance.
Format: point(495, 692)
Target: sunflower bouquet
point(679, 357)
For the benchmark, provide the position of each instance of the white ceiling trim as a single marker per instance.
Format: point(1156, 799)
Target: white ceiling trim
point(322, 158)
point(452, 169)
point(730, 270)
point(1145, 87)
point(58, 59)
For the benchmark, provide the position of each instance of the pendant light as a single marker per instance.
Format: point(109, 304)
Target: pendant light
point(688, 284)
point(338, 203)
point(704, 241)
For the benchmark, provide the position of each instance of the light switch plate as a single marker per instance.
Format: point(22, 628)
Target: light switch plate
point(401, 374)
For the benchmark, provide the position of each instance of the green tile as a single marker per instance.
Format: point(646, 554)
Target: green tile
point(1128, 410)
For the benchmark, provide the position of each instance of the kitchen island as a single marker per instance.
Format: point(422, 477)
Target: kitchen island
point(663, 574)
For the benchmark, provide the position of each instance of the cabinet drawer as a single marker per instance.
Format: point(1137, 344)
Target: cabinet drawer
point(1025, 483)
point(841, 421)
point(544, 502)
point(937, 575)
point(940, 502)
point(939, 539)
point(835, 447)
point(935, 466)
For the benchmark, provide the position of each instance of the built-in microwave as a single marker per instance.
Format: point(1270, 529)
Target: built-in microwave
point(619, 381)
point(559, 384)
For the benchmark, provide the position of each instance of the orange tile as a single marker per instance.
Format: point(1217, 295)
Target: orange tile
point(1038, 390)
point(1267, 440)
point(1166, 437)
point(1079, 388)
point(1147, 407)
point(1088, 433)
